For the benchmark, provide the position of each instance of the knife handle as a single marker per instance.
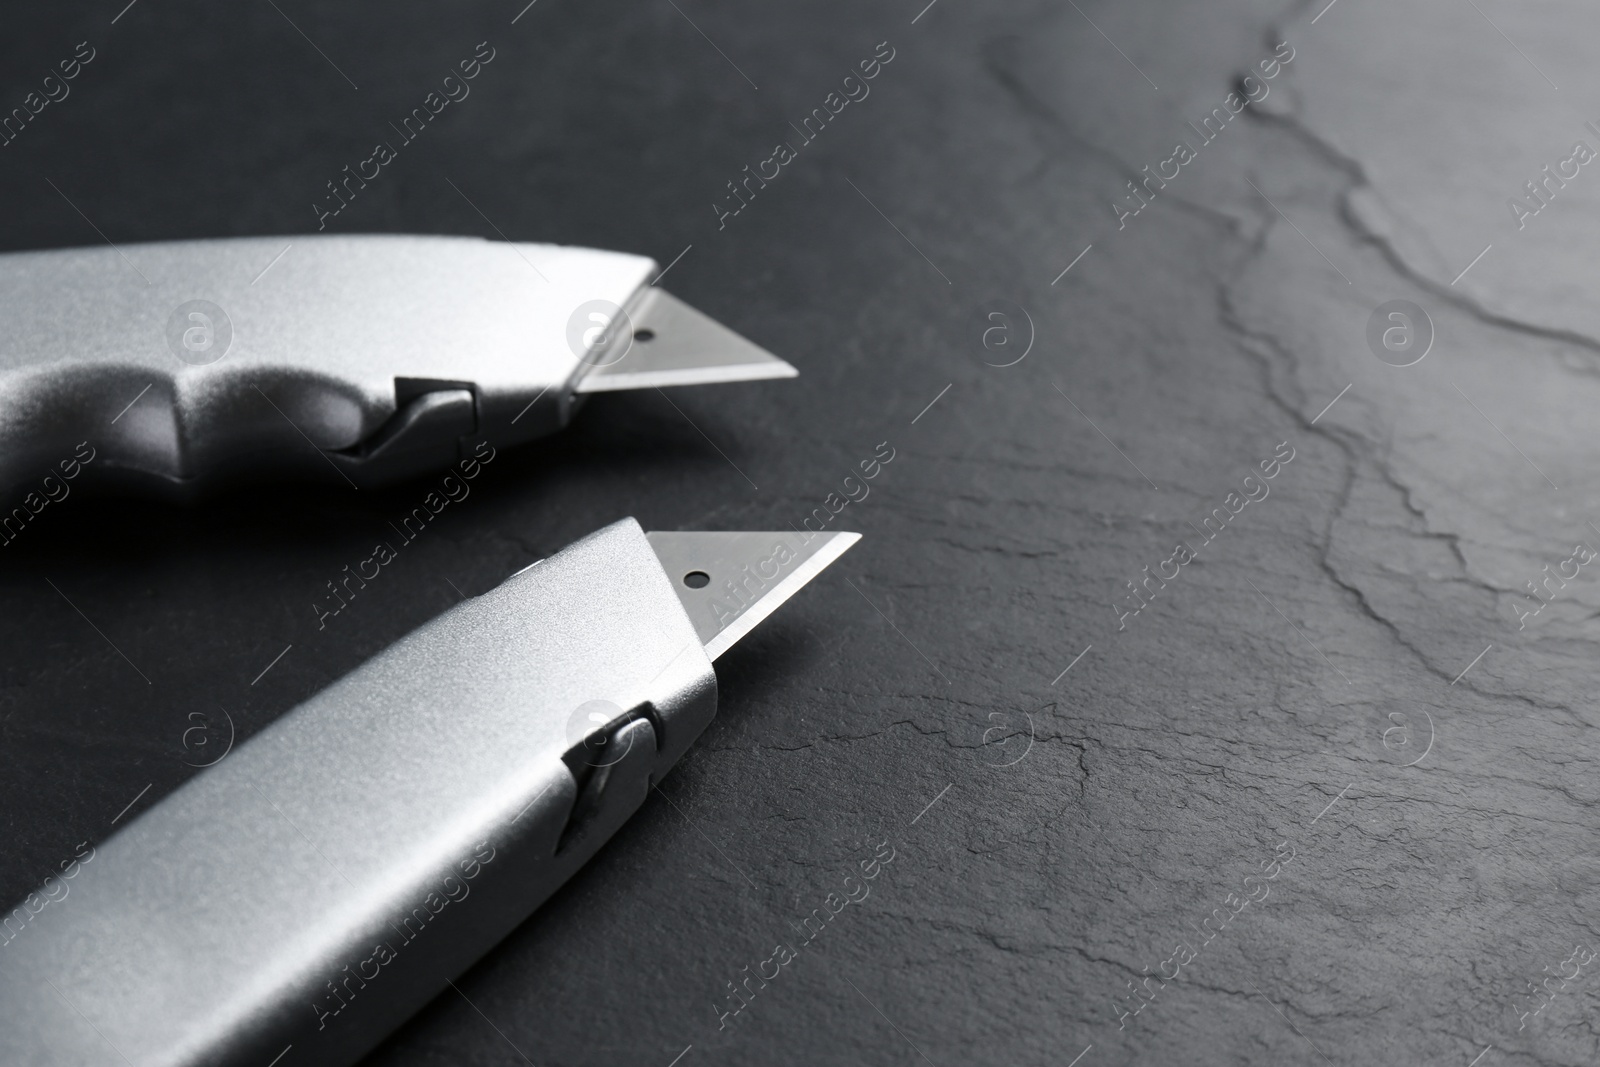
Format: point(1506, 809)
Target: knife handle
point(320, 884)
point(367, 358)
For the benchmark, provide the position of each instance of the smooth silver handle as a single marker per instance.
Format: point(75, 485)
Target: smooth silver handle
point(320, 884)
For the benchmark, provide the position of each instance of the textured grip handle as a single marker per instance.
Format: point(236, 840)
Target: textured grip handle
point(189, 362)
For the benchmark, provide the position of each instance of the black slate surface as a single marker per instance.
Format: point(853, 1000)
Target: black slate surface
point(1329, 723)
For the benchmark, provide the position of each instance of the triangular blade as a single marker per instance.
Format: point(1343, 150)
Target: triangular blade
point(673, 344)
point(741, 578)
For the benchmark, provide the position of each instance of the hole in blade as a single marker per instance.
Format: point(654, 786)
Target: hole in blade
point(697, 579)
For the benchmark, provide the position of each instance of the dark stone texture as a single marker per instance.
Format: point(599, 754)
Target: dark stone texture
point(1274, 692)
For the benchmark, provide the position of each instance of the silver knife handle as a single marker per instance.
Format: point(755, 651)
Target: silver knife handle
point(320, 884)
point(369, 358)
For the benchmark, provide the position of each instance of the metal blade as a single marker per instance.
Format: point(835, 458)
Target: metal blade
point(673, 344)
point(747, 576)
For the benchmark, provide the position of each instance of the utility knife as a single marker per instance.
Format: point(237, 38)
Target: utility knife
point(361, 359)
point(297, 901)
